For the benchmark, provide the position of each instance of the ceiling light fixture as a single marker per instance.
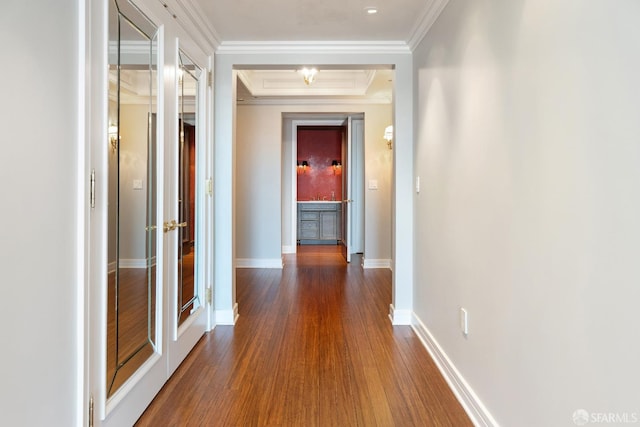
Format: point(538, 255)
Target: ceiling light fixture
point(371, 10)
point(309, 75)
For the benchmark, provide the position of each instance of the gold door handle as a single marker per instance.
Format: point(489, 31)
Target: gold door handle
point(170, 226)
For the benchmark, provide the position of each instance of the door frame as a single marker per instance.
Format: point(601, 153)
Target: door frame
point(290, 165)
point(293, 167)
point(347, 201)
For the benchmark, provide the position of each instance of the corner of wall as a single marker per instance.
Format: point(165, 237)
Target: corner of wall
point(227, 317)
point(399, 317)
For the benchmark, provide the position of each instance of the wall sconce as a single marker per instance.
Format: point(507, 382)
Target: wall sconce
point(303, 165)
point(309, 75)
point(336, 164)
point(113, 137)
point(388, 135)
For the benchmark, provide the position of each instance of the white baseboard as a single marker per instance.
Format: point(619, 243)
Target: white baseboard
point(376, 263)
point(227, 317)
point(399, 317)
point(289, 250)
point(259, 263)
point(479, 414)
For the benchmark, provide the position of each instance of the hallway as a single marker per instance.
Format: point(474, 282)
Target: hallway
point(313, 346)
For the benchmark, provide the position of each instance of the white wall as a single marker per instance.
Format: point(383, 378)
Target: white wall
point(38, 187)
point(264, 196)
point(528, 152)
point(258, 183)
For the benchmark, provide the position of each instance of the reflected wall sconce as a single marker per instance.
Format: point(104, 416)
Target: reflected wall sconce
point(113, 137)
point(336, 164)
point(309, 75)
point(388, 135)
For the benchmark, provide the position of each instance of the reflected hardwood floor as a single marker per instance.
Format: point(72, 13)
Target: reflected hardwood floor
point(133, 330)
point(313, 347)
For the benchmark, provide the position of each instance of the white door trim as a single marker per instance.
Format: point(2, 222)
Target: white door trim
point(294, 171)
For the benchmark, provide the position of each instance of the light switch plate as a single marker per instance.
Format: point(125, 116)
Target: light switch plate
point(373, 184)
point(417, 184)
point(137, 184)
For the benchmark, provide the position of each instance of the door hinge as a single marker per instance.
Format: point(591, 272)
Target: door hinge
point(208, 296)
point(210, 78)
point(92, 195)
point(91, 411)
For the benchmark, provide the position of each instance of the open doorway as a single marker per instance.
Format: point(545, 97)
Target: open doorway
point(266, 169)
point(326, 180)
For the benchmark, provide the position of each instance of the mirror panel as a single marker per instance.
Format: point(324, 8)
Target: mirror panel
point(132, 222)
point(189, 76)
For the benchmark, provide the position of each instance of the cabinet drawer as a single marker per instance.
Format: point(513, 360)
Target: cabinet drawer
point(309, 230)
point(308, 225)
point(309, 234)
point(309, 215)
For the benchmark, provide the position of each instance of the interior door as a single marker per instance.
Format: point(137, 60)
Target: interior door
point(188, 318)
point(127, 362)
point(146, 307)
point(347, 192)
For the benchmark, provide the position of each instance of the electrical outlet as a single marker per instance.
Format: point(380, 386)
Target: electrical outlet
point(464, 321)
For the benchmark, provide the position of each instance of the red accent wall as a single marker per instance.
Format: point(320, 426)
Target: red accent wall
point(319, 146)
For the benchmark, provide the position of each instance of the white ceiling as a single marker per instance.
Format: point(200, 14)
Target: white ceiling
point(399, 22)
point(314, 20)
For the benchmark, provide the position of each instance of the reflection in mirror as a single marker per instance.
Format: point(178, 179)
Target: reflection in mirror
point(188, 81)
point(131, 296)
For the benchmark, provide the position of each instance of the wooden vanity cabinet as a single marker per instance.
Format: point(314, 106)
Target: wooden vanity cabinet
point(319, 223)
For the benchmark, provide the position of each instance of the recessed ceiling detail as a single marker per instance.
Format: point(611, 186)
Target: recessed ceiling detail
point(368, 86)
point(262, 83)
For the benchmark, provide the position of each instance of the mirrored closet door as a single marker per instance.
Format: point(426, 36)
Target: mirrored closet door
point(132, 225)
point(149, 238)
point(189, 321)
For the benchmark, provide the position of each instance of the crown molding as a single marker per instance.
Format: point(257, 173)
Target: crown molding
point(424, 24)
point(243, 75)
point(314, 101)
point(192, 20)
point(312, 47)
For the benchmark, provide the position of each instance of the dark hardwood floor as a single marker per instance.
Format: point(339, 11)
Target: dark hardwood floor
point(313, 347)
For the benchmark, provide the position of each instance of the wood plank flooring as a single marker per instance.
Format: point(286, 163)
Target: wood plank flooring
point(313, 347)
